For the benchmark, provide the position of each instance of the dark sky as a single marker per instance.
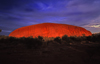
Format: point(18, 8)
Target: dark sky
point(18, 13)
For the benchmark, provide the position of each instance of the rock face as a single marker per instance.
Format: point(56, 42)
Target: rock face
point(49, 30)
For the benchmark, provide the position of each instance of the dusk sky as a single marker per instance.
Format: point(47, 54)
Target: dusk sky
point(18, 13)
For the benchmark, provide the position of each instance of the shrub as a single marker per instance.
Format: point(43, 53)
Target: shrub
point(67, 39)
point(88, 38)
point(57, 39)
point(33, 43)
point(0, 30)
point(64, 37)
point(40, 37)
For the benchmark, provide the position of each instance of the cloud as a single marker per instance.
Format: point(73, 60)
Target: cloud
point(96, 26)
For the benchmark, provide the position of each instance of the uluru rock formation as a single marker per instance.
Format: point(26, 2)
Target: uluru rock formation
point(49, 30)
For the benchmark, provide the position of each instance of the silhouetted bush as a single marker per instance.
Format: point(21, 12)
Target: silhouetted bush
point(64, 37)
point(67, 39)
point(88, 38)
point(72, 38)
point(33, 43)
point(94, 38)
point(57, 39)
point(75, 39)
point(0, 30)
point(11, 39)
point(40, 37)
point(30, 43)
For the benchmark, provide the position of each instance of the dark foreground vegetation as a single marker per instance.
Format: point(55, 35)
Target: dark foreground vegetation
point(65, 50)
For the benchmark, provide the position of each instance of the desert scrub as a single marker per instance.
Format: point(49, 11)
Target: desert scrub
point(40, 37)
point(66, 38)
point(58, 40)
point(33, 43)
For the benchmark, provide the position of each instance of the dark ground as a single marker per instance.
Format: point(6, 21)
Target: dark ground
point(52, 54)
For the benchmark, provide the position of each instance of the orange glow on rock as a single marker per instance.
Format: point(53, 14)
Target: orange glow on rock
point(49, 30)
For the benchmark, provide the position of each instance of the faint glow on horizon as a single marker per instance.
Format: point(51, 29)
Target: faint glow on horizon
point(95, 26)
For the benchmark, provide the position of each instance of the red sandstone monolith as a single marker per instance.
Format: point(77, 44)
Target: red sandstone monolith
point(49, 30)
